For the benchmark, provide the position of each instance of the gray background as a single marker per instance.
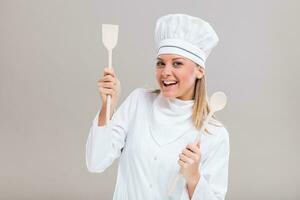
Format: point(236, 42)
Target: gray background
point(51, 56)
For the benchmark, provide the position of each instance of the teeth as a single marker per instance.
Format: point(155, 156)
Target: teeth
point(169, 82)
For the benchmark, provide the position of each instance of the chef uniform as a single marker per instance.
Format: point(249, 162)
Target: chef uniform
point(149, 131)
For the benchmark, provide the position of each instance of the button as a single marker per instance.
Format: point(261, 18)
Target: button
point(150, 185)
point(155, 158)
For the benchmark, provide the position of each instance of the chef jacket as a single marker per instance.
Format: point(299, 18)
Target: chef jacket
point(147, 133)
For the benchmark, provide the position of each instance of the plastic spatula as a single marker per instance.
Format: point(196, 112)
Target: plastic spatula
point(109, 39)
point(217, 102)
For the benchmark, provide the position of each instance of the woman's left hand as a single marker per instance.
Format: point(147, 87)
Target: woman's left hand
point(189, 161)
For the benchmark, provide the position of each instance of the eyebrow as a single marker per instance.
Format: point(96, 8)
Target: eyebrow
point(172, 58)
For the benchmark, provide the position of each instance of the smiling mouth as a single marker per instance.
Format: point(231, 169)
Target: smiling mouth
point(169, 83)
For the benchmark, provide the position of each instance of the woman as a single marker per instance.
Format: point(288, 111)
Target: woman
point(152, 132)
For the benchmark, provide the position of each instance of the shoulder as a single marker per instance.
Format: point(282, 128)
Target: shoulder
point(223, 134)
point(141, 94)
point(138, 100)
point(219, 134)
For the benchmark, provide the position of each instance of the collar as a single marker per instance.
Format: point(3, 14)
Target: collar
point(171, 119)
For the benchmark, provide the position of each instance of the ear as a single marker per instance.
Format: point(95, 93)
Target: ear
point(200, 72)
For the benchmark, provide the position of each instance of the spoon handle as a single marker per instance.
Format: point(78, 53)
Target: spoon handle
point(203, 126)
point(174, 182)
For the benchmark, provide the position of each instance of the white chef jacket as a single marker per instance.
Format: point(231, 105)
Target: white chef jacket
point(147, 133)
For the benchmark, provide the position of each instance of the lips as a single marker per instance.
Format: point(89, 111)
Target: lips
point(168, 83)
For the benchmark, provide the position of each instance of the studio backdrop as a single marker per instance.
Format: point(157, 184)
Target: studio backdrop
point(51, 56)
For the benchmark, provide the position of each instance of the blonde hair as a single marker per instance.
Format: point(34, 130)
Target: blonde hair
point(200, 107)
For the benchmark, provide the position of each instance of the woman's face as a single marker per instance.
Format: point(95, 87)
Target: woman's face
point(176, 76)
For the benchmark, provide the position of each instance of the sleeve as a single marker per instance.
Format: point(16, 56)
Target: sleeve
point(104, 143)
point(213, 182)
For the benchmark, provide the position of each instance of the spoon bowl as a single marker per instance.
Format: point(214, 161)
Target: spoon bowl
point(218, 101)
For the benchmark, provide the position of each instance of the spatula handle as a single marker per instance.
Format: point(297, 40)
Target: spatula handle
point(108, 97)
point(108, 102)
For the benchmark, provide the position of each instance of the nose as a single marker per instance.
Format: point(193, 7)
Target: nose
point(167, 70)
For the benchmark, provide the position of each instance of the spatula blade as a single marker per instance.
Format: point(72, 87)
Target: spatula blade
point(110, 35)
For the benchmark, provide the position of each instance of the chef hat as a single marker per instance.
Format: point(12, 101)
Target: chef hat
point(185, 35)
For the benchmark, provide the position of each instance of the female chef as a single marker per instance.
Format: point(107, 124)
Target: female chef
point(152, 132)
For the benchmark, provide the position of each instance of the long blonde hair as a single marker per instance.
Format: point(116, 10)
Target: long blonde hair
point(200, 107)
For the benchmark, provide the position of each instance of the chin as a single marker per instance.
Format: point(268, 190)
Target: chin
point(168, 94)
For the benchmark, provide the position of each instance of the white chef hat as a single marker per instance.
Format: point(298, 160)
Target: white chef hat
point(185, 35)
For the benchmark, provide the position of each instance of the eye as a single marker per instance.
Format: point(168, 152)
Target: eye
point(177, 64)
point(160, 64)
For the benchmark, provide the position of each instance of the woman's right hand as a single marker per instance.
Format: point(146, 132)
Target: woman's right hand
point(108, 84)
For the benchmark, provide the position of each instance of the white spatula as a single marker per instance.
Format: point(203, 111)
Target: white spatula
point(109, 39)
point(217, 102)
